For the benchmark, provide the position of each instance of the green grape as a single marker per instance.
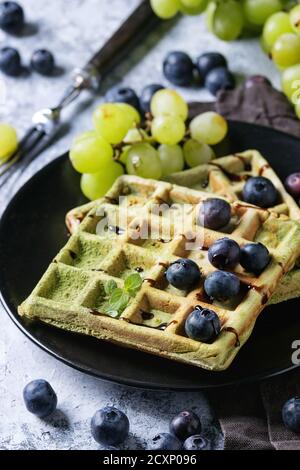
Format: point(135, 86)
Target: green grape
point(8, 142)
point(169, 103)
point(90, 153)
point(227, 20)
point(165, 9)
point(209, 128)
point(295, 19)
point(297, 110)
point(135, 135)
point(171, 157)
point(258, 11)
point(286, 50)
point(210, 12)
point(194, 7)
point(96, 185)
point(275, 26)
point(112, 122)
point(132, 113)
point(124, 154)
point(168, 130)
point(291, 83)
point(143, 160)
point(196, 153)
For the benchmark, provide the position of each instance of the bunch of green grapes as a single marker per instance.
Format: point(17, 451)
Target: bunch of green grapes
point(163, 144)
point(281, 40)
point(227, 19)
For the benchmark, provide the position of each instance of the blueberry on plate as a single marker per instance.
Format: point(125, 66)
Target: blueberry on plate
point(40, 398)
point(255, 257)
point(179, 68)
point(291, 414)
point(43, 62)
point(219, 79)
point(185, 424)
point(260, 191)
point(214, 213)
point(203, 325)
point(292, 184)
point(123, 95)
point(197, 442)
point(208, 62)
point(224, 254)
point(165, 441)
point(147, 94)
point(11, 17)
point(109, 426)
point(256, 80)
point(10, 61)
point(221, 285)
point(183, 274)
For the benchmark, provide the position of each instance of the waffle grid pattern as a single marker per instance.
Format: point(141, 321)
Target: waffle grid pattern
point(71, 293)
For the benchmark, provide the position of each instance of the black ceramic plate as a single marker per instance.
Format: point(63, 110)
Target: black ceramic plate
point(32, 231)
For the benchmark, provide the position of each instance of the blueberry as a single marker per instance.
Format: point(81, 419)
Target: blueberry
point(179, 68)
point(256, 80)
point(11, 17)
point(203, 325)
point(123, 95)
point(291, 414)
point(42, 62)
point(260, 191)
point(208, 62)
point(185, 424)
point(214, 213)
point(292, 184)
point(146, 96)
point(109, 426)
point(40, 398)
point(183, 274)
point(221, 285)
point(197, 442)
point(165, 441)
point(254, 257)
point(224, 254)
point(10, 61)
point(219, 79)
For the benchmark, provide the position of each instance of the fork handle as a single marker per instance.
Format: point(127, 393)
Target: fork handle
point(138, 24)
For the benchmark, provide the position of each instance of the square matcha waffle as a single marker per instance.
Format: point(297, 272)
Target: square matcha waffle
point(226, 177)
point(71, 294)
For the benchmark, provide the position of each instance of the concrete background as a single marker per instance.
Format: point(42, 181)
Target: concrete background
point(73, 30)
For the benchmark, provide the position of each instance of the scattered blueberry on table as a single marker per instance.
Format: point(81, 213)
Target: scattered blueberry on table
point(147, 94)
point(43, 62)
point(185, 424)
point(291, 414)
point(40, 398)
point(196, 443)
point(219, 79)
point(165, 441)
point(221, 285)
point(123, 95)
point(203, 325)
point(224, 253)
point(178, 68)
point(11, 17)
point(110, 426)
point(209, 61)
point(183, 274)
point(10, 61)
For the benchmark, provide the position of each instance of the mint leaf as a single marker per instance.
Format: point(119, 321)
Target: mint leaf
point(133, 284)
point(109, 287)
point(118, 300)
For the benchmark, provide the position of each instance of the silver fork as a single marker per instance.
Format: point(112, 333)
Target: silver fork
point(46, 123)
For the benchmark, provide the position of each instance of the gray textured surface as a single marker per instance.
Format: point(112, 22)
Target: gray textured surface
point(74, 29)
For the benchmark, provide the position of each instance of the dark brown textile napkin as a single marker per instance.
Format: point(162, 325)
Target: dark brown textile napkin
point(250, 415)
